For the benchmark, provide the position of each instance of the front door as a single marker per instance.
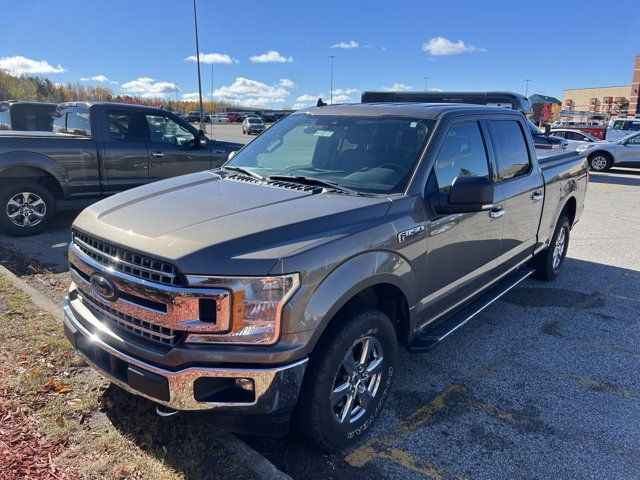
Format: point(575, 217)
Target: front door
point(125, 161)
point(462, 248)
point(173, 148)
point(629, 153)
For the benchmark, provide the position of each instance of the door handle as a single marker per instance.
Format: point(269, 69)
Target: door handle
point(157, 154)
point(497, 212)
point(537, 195)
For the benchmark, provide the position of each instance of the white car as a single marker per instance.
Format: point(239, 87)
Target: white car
point(219, 118)
point(621, 127)
point(575, 138)
point(604, 155)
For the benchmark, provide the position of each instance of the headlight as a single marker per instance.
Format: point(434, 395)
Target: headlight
point(256, 306)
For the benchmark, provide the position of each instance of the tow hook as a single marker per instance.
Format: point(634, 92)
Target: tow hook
point(165, 411)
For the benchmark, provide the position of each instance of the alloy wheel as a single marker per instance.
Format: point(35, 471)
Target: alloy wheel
point(559, 248)
point(26, 209)
point(357, 381)
point(599, 163)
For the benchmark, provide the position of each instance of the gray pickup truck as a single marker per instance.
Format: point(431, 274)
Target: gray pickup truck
point(95, 150)
point(279, 286)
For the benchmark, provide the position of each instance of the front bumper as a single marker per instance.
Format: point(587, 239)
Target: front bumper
point(267, 390)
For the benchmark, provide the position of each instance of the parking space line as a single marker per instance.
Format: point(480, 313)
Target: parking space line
point(425, 414)
point(411, 462)
point(596, 385)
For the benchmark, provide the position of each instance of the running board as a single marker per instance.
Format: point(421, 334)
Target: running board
point(430, 337)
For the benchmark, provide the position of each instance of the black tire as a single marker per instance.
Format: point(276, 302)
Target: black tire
point(316, 417)
point(600, 162)
point(545, 263)
point(41, 205)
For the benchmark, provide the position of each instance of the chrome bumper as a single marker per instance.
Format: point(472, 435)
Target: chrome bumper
point(275, 389)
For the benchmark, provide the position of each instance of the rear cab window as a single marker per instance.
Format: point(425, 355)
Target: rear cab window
point(510, 146)
point(72, 120)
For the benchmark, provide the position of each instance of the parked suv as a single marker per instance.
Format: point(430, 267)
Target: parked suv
point(279, 285)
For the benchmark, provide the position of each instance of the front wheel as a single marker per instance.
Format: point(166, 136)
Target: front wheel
point(548, 264)
point(599, 162)
point(27, 208)
point(348, 380)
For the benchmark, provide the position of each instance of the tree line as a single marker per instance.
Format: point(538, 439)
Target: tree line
point(41, 89)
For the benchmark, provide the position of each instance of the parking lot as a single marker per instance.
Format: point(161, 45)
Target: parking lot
point(540, 385)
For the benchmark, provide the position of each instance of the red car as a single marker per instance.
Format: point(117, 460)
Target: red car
point(234, 117)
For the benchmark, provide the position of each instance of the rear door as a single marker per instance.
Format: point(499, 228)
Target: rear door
point(174, 148)
point(124, 155)
point(522, 188)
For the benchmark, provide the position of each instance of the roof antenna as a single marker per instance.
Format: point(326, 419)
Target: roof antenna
point(320, 103)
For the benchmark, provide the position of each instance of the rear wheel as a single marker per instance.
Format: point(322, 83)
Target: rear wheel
point(548, 263)
point(348, 381)
point(599, 162)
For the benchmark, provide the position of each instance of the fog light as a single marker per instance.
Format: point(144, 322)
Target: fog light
point(244, 383)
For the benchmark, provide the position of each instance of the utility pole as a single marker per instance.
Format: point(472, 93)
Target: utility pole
point(331, 94)
point(526, 87)
point(195, 20)
point(426, 81)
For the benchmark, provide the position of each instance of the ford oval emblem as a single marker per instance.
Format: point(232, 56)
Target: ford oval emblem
point(104, 287)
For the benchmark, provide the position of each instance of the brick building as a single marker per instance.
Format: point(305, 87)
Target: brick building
point(582, 104)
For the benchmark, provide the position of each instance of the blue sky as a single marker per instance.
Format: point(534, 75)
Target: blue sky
point(140, 46)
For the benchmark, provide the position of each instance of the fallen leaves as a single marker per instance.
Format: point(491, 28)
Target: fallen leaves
point(24, 453)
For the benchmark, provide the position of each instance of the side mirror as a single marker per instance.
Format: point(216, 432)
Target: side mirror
point(232, 154)
point(468, 194)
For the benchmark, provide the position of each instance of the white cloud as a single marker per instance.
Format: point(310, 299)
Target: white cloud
point(190, 97)
point(439, 46)
point(210, 58)
point(286, 83)
point(251, 93)
point(95, 78)
point(19, 65)
point(397, 87)
point(347, 45)
point(148, 87)
point(271, 56)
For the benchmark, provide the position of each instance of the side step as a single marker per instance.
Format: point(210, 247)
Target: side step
point(430, 337)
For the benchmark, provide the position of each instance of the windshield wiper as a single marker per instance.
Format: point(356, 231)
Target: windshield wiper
point(313, 181)
point(246, 171)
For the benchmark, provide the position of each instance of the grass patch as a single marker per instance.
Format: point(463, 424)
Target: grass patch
point(60, 419)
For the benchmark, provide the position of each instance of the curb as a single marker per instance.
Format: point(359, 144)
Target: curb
point(253, 460)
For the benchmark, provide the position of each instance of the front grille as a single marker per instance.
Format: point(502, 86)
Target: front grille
point(125, 261)
point(148, 331)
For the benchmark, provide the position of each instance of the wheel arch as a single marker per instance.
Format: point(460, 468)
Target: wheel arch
point(390, 288)
point(23, 168)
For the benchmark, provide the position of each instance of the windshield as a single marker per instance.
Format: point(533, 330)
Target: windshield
point(532, 128)
point(255, 120)
point(366, 154)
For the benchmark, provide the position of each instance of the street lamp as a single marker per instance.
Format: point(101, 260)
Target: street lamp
point(526, 86)
point(426, 80)
point(331, 93)
point(195, 21)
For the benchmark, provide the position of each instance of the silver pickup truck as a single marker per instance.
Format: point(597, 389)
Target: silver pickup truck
point(279, 286)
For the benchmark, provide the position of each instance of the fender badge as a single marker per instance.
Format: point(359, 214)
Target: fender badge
point(406, 234)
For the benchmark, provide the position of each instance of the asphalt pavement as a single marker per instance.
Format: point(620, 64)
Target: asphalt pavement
point(544, 384)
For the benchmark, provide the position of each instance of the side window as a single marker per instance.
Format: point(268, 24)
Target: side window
point(165, 130)
point(463, 154)
point(78, 123)
point(634, 126)
point(559, 134)
point(5, 118)
point(618, 125)
point(510, 147)
point(124, 127)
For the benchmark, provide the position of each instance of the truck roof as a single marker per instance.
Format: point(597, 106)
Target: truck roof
point(405, 109)
point(88, 104)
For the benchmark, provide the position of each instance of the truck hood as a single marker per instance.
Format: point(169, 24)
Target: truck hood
point(206, 223)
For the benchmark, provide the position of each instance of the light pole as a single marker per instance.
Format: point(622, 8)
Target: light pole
point(331, 93)
point(195, 21)
point(426, 81)
point(526, 86)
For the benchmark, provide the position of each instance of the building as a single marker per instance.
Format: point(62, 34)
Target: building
point(543, 108)
point(602, 103)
